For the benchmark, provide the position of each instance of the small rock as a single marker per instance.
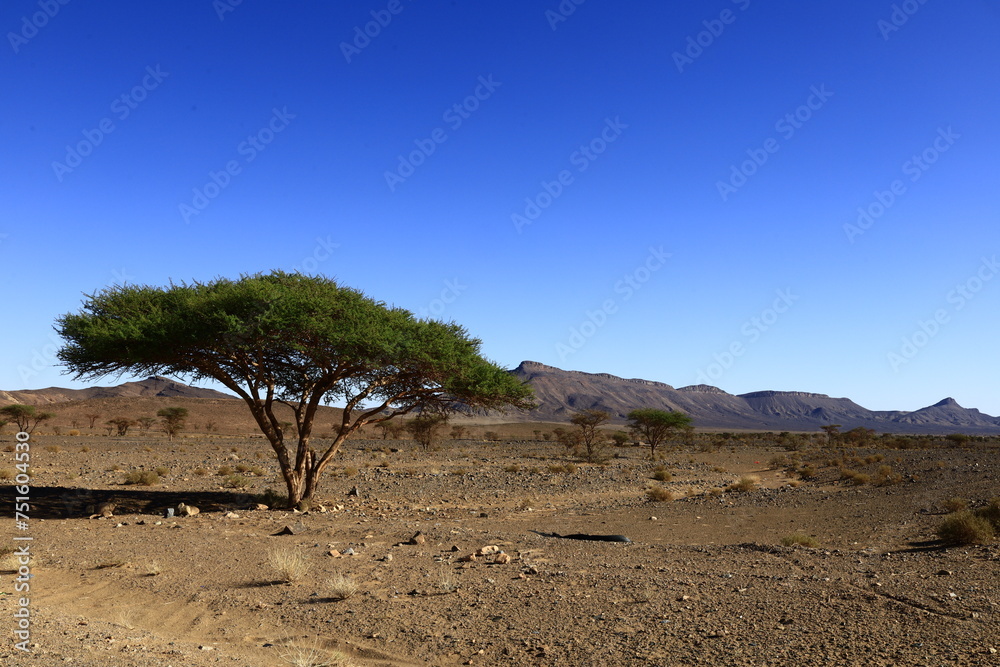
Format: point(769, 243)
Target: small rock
point(232, 515)
point(944, 573)
point(334, 553)
point(471, 558)
point(387, 558)
point(354, 492)
point(187, 510)
point(652, 518)
point(348, 552)
point(261, 507)
point(418, 538)
point(488, 550)
point(502, 558)
point(531, 569)
point(454, 548)
point(287, 530)
point(484, 515)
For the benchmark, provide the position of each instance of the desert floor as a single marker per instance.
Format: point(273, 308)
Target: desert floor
point(705, 580)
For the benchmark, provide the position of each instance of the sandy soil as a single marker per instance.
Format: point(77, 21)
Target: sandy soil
point(705, 580)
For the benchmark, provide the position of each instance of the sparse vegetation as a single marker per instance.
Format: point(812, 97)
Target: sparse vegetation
point(965, 527)
point(341, 587)
point(660, 494)
point(745, 484)
point(236, 482)
point(142, 478)
point(661, 474)
point(289, 564)
point(800, 539)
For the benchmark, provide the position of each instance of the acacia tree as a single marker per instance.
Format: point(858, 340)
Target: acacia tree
point(123, 424)
point(654, 426)
point(25, 416)
point(288, 339)
point(588, 421)
point(93, 417)
point(425, 428)
point(173, 420)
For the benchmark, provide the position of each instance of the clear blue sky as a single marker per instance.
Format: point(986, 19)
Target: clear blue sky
point(673, 182)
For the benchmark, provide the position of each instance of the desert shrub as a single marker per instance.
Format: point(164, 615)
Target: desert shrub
point(745, 484)
point(779, 461)
point(236, 482)
point(799, 538)
point(53, 449)
point(805, 472)
point(6, 473)
point(142, 477)
point(854, 477)
point(512, 468)
point(73, 431)
point(242, 467)
point(716, 491)
point(341, 587)
point(569, 468)
point(162, 471)
point(350, 472)
point(200, 472)
point(224, 471)
point(84, 449)
point(991, 513)
point(886, 476)
point(659, 494)
point(955, 504)
point(965, 527)
point(661, 474)
point(289, 565)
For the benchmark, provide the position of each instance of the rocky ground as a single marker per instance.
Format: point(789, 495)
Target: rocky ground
point(704, 581)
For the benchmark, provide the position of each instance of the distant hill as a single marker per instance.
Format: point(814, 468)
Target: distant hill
point(562, 393)
point(154, 386)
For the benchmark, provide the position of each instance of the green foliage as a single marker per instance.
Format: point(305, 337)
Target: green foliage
point(25, 416)
point(122, 424)
point(280, 337)
point(654, 426)
point(173, 420)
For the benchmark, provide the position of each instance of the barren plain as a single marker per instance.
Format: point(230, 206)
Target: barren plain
point(705, 580)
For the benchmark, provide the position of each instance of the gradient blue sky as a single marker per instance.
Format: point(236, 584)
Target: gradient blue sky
point(201, 84)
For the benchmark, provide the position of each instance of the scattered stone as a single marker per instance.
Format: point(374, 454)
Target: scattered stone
point(349, 552)
point(454, 548)
point(334, 553)
point(652, 518)
point(418, 538)
point(484, 515)
point(488, 550)
point(531, 569)
point(354, 492)
point(387, 558)
point(261, 507)
point(232, 515)
point(502, 558)
point(287, 530)
point(471, 558)
point(944, 573)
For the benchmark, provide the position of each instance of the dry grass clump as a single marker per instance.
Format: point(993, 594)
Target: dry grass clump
point(955, 504)
point(289, 564)
point(224, 471)
point(661, 474)
point(53, 449)
point(200, 472)
point(142, 477)
point(745, 484)
point(341, 587)
point(73, 431)
point(312, 656)
point(512, 468)
point(716, 491)
point(965, 527)
point(800, 539)
point(886, 476)
point(569, 468)
point(7, 473)
point(236, 482)
point(660, 494)
point(162, 471)
point(854, 477)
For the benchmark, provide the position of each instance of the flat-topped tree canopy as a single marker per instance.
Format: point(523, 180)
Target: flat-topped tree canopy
point(293, 339)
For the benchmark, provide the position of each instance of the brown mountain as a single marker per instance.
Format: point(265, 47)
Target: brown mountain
point(155, 386)
point(561, 393)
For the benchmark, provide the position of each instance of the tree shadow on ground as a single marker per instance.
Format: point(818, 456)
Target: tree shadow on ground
point(66, 502)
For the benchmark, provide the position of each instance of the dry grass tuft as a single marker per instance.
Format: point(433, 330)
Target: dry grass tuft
point(965, 527)
point(142, 477)
point(745, 484)
point(660, 494)
point(955, 504)
point(289, 564)
point(341, 587)
point(800, 539)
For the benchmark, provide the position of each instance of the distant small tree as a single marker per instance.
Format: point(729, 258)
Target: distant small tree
point(588, 421)
point(25, 416)
point(620, 438)
point(832, 432)
point(122, 424)
point(93, 417)
point(386, 428)
point(173, 420)
point(145, 423)
point(654, 426)
point(425, 428)
point(859, 436)
point(457, 432)
point(957, 439)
